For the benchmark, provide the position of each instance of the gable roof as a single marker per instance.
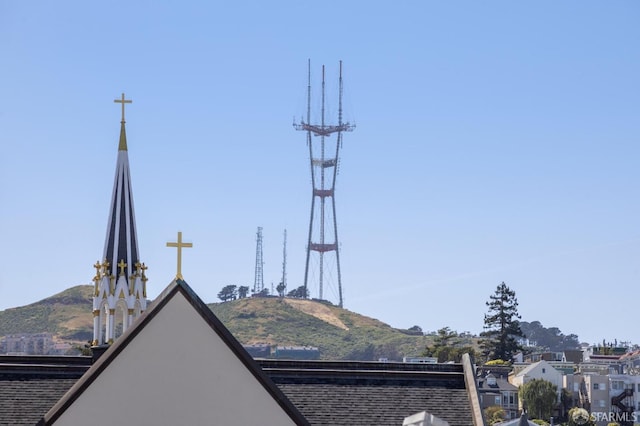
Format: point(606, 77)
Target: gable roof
point(527, 370)
point(177, 372)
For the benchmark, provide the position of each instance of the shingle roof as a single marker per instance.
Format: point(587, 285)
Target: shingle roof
point(24, 402)
point(31, 385)
point(325, 392)
point(365, 393)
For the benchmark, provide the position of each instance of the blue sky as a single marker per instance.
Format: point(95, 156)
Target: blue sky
point(495, 141)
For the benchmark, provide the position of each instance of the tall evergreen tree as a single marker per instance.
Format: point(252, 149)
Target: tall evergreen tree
point(501, 325)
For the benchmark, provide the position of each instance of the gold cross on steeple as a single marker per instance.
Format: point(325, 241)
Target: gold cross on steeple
point(179, 245)
point(122, 101)
point(105, 267)
point(122, 265)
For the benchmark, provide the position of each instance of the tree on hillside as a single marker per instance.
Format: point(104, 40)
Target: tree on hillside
point(280, 289)
point(550, 338)
point(243, 290)
point(447, 346)
point(299, 293)
point(415, 328)
point(501, 325)
point(539, 398)
point(228, 292)
point(262, 293)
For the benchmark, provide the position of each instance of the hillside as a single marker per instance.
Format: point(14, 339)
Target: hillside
point(338, 333)
point(67, 315)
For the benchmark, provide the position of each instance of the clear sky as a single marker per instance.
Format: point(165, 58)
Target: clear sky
point(495, 141)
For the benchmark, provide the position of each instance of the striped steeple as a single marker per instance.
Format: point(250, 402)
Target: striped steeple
point(120, 280)
point(121, 242)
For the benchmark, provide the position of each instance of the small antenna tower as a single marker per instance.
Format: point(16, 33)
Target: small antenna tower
point(283, 283)
point(258, 283)
point(324, 160)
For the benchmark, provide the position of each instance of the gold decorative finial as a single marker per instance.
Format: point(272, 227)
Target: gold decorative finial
point(98, 267)
point(122, 265)
point(105, 267)
point(123, 101)
point(179, 245)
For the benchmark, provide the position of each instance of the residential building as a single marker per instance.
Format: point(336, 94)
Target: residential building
point(498, 391)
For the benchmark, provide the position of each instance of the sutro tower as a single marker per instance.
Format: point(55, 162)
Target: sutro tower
point(324, 160)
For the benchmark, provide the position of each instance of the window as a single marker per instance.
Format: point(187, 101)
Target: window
point(576, 387)
point(596, 386)
point(544, 370)
point(601, 403)
point(617, 385)
point(497, 400)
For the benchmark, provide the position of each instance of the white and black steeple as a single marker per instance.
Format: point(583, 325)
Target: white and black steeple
point(120, 281)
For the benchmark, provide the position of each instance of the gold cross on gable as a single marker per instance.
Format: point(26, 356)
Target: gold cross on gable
point(179, 245)
point(123, 101)
point(122, 265)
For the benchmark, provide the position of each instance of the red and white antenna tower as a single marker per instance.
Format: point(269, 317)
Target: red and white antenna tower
point(324, 160)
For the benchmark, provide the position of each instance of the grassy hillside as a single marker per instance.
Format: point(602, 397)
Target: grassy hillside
point(67, 315)
point(337, 332)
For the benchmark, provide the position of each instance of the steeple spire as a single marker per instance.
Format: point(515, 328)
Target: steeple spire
point(122, 146)
point(120, 281)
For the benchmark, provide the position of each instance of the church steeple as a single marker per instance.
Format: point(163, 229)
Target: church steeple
point(120, 281)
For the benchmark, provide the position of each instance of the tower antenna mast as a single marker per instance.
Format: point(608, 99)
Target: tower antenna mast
point(323, 161)
point(283, 283)
point(258, 283)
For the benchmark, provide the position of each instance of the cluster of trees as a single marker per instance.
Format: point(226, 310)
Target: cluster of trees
point(233, 292)
point(504, 330)
point(502, 333)
point(549, 338)
point(448, 345)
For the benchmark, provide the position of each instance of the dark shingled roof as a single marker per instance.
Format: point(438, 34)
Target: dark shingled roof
point(369, 393)
point(31, 385)
point(325, 392)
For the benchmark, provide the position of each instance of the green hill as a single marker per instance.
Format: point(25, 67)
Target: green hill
point(67, 315)
point(338, 333)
